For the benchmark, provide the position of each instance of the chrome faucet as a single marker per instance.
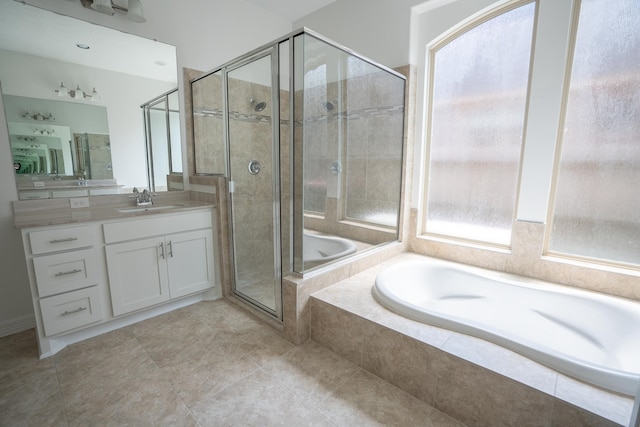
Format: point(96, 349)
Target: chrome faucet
point(142, 199)
point(146, 198)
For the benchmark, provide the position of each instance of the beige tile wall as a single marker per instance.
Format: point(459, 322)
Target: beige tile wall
point(296, 290)
point(369, 127)
point(526, 258)
point(208, 104)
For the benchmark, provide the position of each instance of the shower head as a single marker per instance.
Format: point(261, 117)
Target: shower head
point(328, 106)
point(258, 106)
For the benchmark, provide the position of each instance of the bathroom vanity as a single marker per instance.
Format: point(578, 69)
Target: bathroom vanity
point(38, 188)
point(99, 268)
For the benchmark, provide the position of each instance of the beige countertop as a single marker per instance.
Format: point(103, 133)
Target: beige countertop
point(45, 183)
point(38, 213)
point(69, 187)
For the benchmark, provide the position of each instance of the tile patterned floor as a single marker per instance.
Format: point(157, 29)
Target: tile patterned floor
point(210, 364)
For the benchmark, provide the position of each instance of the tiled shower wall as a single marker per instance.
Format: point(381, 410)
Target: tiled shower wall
point(251, 138)
point(209, 156)
point(99, 148)
point(359, 136)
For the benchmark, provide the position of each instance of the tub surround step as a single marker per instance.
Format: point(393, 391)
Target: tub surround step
point(472, 380)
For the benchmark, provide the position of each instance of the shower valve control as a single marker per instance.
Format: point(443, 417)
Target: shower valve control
point(254, 167)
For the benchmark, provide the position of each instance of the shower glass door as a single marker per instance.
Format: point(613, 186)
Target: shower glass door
point(254, 181)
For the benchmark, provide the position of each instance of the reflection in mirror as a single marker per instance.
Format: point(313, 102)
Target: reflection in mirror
point(38, 51)
point(349, 122)
point(163, 143)
point(78, 133)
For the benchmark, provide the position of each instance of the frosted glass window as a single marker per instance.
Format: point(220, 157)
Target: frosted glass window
point(597, 197)
point(478, 99)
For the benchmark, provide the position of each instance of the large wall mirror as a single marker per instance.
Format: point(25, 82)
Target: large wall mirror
point(92, 128)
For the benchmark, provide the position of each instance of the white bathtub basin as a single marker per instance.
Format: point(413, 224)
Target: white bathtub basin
point(590, 336)
point(318, 249)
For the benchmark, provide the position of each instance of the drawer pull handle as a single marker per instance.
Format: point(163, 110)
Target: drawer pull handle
point(66, 273)
point(77, 310)
point(170, 247)
point(68, 239)
point(162, 250)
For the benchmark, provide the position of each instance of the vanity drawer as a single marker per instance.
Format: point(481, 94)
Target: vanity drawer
point(65, 272)
point(61, 239)
point(152, 226)
point(70, 193)
point(32, 195)
point(72, 310)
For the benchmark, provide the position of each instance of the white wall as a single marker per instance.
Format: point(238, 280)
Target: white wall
point(377, 29)
point(16, 309)
point(207, 33)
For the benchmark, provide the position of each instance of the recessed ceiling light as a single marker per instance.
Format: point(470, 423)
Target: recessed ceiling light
point(82, 46)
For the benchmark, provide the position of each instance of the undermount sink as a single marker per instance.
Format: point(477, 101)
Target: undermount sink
point(148, 208)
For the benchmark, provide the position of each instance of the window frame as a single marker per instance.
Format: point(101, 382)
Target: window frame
point(547, 252)
point(432, 48)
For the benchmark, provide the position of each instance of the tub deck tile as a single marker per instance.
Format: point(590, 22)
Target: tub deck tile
point(502, 361)
point(346, 319)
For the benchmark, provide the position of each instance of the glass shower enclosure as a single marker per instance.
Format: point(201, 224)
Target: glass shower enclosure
point(309, 136)
point(161, 117)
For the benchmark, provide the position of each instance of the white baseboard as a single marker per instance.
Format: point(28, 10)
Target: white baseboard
point(17, 324)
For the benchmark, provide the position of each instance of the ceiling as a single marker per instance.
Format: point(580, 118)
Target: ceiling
point(57, 37)
point(291, 9)
point(38, 32)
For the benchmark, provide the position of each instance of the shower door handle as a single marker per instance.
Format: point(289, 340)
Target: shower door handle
point(254, 167)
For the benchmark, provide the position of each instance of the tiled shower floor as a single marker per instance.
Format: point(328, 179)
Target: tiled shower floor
point(207, 364)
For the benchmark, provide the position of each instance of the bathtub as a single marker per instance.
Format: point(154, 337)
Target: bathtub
point(320, 249)
point(586, 335)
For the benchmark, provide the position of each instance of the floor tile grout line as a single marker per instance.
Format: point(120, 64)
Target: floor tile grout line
point(171, 384)
point(303, 402)
point(62, 398)
point(308, 357)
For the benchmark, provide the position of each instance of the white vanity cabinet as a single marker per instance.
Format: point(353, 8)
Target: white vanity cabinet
point(65, 276)
point(91, 277)
point(146, 268)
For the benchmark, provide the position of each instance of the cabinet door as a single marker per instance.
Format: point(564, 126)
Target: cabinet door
point(190, 262)
point(137, 274)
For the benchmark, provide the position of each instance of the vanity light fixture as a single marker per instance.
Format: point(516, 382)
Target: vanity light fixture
point(44, 131)
point(39, 117)
point(133, 9)
point(27, 138)
point(77, 93)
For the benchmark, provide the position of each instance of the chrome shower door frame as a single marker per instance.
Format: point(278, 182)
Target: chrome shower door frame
point(272, 53)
